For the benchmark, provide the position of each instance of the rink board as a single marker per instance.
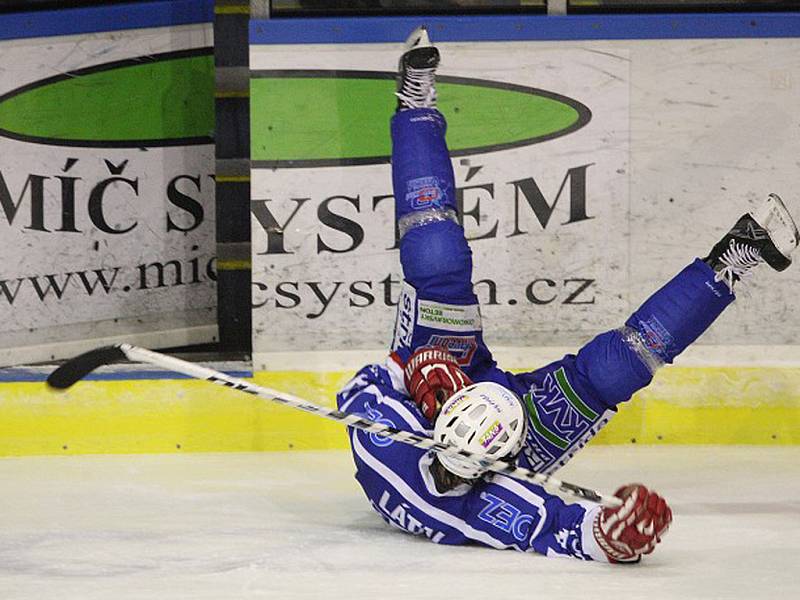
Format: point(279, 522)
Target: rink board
point(693, 121)
point(106, 120)
point(684, 405)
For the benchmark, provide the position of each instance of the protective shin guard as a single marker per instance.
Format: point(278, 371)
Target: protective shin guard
point(422, 175)
point(437, 306)
point(678, 313)
point(435, 256)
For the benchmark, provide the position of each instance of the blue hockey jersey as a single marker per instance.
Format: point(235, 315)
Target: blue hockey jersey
point(497, 511)
point(567, 401)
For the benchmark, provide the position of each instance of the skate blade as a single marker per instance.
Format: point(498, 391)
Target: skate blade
point(418, 39)
point(775, 218)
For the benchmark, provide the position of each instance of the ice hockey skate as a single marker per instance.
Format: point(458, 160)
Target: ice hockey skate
point(417, 72)
point(767, 234)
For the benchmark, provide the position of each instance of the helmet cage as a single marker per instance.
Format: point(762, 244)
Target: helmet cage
point(486, 419)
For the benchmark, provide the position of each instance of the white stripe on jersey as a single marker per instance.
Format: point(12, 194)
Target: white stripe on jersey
point(358, 380)
point(579, 443)
point(590, 545)
point(402, 411)
point(411, 496)
point(416, 423)
point(396, 375)
point(514, 486)
point(346, 405)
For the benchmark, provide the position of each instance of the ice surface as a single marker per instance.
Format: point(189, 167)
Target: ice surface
point(296, 525)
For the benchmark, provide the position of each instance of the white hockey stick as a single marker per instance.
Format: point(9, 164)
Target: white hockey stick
point(79, 367)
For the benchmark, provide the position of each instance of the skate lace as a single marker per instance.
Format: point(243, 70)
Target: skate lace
point(418, 89)
point(739, 260)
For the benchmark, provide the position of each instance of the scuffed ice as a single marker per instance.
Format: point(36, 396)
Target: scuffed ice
point(296, 525)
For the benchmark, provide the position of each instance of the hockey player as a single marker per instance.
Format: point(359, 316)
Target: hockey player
point(539, 419)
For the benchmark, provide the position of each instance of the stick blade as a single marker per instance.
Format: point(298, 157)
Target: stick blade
point(79, 367)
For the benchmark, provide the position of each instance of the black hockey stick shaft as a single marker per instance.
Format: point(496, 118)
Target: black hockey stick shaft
point(79, 367)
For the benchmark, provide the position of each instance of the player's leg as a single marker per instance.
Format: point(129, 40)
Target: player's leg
point(570, 400)
point(677, 314)
point(434, 254)
point(437, 304)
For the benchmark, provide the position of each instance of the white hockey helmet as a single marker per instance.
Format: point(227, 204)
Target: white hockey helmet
point(484, 418)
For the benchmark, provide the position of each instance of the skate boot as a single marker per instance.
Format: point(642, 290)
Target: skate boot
point(767, 234)
point(417, 72)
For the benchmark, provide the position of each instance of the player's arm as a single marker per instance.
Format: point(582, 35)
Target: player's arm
point(618, 535)
point(487, 418)
point(496, 511)
point(529, 518)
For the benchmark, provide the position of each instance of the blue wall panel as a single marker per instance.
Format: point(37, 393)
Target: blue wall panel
point(105, 18)
point(532, 27)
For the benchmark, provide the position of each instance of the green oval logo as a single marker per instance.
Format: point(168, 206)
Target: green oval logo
point(325, 118)
point(160, 100)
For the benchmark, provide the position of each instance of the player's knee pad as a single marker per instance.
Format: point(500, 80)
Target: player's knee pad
point(614, 367)
point(437, 261)
point(422, 174)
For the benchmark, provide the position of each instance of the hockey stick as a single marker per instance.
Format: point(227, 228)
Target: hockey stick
point(79, 367)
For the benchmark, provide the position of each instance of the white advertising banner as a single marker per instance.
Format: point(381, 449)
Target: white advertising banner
point(107, 191)
point(588, 173)
point(539, 214)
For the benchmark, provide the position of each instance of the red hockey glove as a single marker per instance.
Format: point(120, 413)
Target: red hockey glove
point(627, 532)
point(432, 375)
